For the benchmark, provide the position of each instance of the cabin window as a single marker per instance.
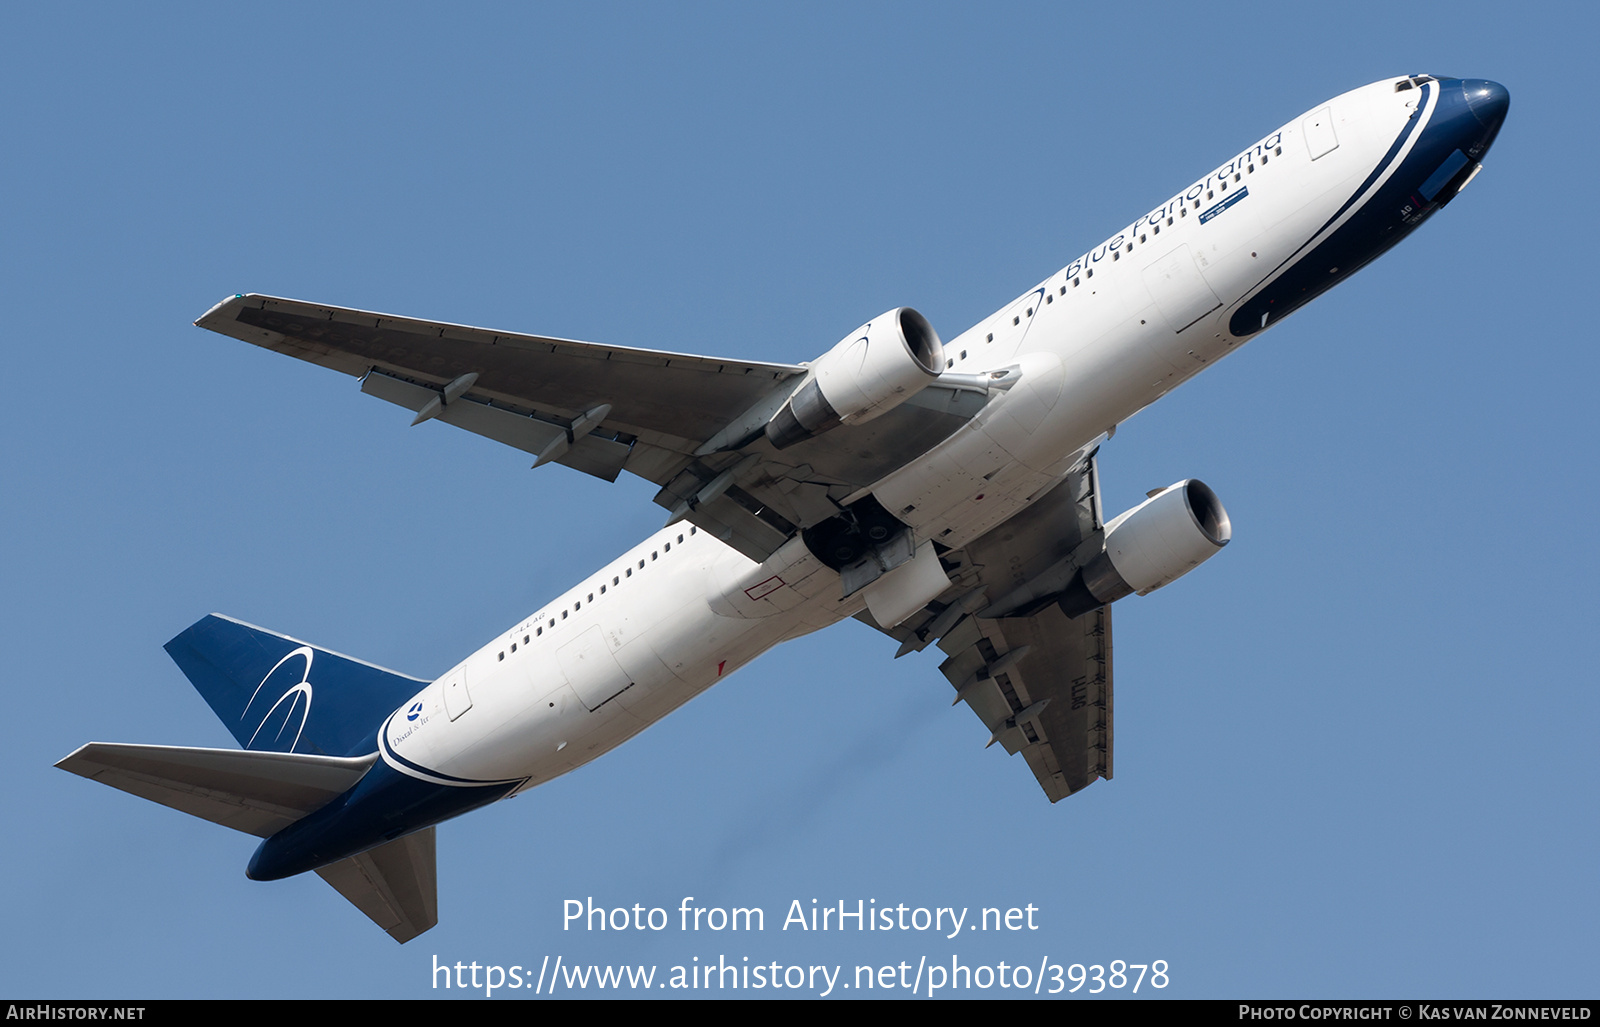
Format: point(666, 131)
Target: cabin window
point(1116, 255)
point(680, 539)
point(641, 565)
point(692, 530)
point(591, 597)
point(1238, 177)
point(538, 631)
point(616, 580)
point(1064, 288)
point(950, 362)
point(963, 354)
point(1141, 239)
point(653, 554)
point(1277, 151)
point(563, 615)
point(1016, 320)
point(502, 655)
point(513, 647)
point(577, 606)
point(667, 548)
point(553, 621)
point(990, 338)
point(1089, 273)
point(1049, 298)
point(628, 572)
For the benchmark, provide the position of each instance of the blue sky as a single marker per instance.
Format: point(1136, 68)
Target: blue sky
point(1354, 753)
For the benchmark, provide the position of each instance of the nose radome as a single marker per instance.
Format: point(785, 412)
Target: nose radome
point(1489, 101)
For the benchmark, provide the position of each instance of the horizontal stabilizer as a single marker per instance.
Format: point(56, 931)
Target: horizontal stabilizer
point(395, 884)
point(259, 793)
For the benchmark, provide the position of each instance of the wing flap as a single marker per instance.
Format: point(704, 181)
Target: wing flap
point(592, 453)
point(259, 793)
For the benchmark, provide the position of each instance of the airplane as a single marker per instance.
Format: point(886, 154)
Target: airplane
point(943, 493)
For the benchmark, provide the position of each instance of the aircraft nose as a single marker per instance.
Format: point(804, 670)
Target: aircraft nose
point(1488, 101)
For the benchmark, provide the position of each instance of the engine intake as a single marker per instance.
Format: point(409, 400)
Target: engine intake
point(870, 372)
point(1154, 544)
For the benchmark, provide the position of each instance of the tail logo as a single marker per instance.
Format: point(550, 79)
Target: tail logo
point(293, 696)
point(414, 712)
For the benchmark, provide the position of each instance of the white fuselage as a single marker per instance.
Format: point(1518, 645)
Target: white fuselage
point(1095, 343)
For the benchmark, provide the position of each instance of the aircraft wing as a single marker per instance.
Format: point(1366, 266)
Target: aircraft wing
point(670, 400)
point(1038, 680)
point(1067, 741)
point(678, 420)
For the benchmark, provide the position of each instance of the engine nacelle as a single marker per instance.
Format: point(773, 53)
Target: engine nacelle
point(870, 372)
point(1154, 544)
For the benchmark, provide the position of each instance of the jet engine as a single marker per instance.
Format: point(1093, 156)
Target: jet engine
point(871, 371)
point(1154, 544)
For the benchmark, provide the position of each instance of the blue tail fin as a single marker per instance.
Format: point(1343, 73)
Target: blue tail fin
point(277, 694)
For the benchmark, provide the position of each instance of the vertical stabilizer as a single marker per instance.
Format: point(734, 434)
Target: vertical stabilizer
point(278, 694)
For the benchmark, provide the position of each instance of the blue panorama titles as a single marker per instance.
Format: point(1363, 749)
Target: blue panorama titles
point(860, 915)
point(1196, 197)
